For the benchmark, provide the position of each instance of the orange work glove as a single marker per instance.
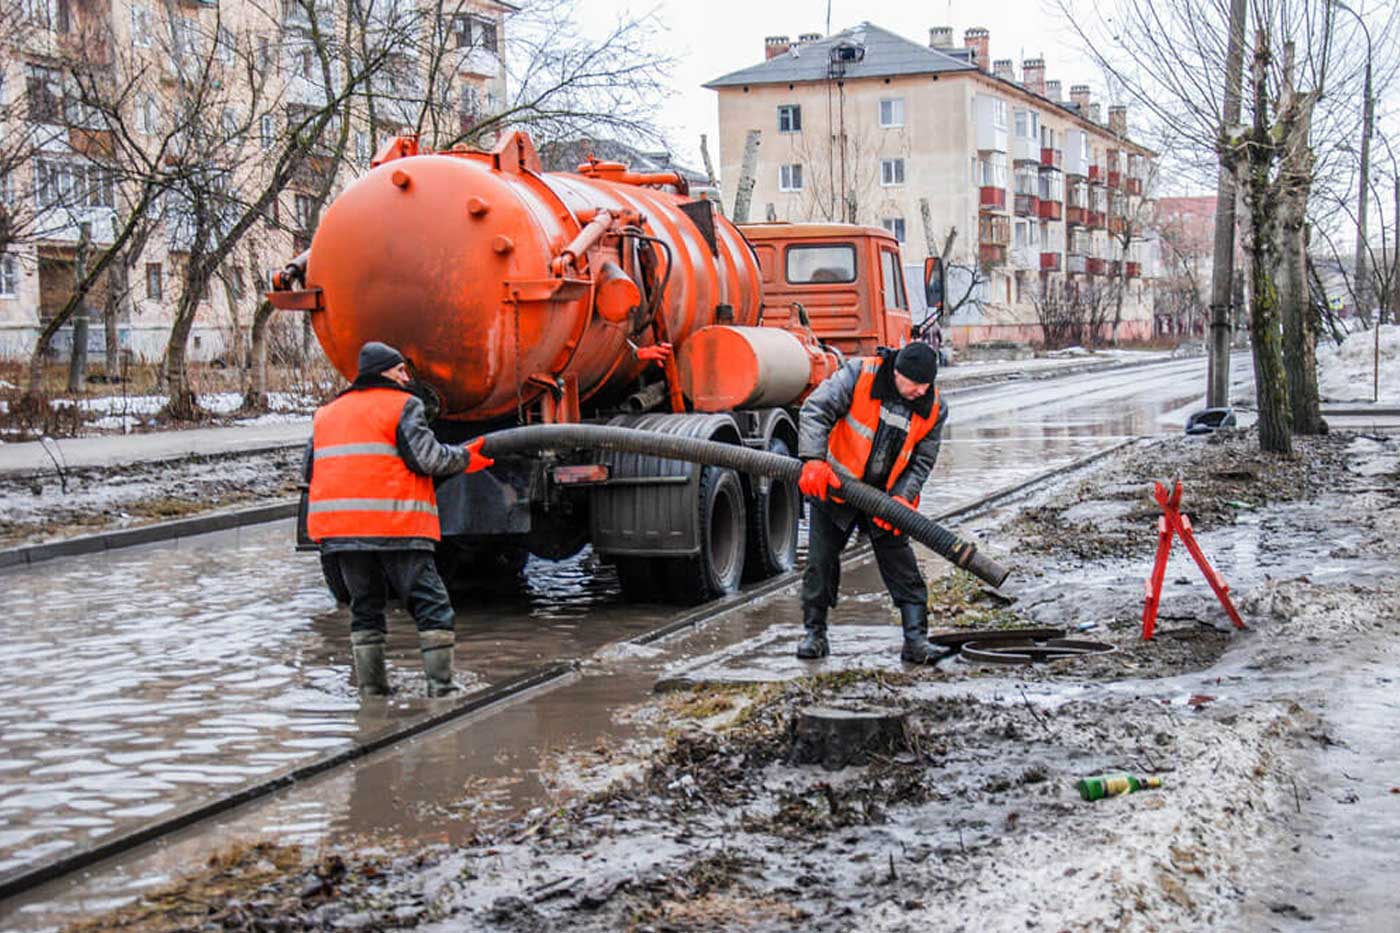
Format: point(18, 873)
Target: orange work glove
point(656, 353)
point(477, 460)
point(817, 477)
point(886, 526)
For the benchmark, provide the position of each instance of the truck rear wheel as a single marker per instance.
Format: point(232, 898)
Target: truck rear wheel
point(772, 532)
point(642, 578)
point(470, 571)
point(719, 567)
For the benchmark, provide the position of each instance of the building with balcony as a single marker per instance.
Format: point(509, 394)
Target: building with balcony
point(104, 95)
point(1007, 163)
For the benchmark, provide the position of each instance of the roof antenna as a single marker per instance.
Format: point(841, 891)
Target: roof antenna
point(828, 17)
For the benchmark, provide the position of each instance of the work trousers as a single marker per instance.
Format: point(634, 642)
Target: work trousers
point(369, 575)
point(826, 538)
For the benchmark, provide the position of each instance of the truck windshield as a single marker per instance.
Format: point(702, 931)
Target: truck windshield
point(816, 264)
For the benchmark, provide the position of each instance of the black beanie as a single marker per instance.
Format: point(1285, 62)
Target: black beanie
point(917, 362)
point(376, 357)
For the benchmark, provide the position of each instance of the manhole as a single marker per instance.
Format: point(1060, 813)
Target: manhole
point(958, 639)
point(1032, 651)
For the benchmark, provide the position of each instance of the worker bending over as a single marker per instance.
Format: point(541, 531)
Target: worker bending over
point(372, 505)
point(879, 420)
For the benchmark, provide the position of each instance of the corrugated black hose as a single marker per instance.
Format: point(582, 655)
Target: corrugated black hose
point(536, 438)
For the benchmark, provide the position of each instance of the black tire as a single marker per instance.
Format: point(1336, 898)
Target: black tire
point(335, 580)
point(719, 568)
point(773, 511)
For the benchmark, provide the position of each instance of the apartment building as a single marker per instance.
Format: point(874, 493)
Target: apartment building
point(96, 96)
point(1041, 196)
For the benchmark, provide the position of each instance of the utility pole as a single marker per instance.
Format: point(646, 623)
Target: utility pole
point(77, 363)
point(1223, 264)
point(1364, 300)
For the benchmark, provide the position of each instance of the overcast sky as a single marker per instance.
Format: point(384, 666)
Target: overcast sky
point(710, 38)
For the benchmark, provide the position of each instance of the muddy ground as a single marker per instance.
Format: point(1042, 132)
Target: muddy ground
point(61, 503)
point(974, 823)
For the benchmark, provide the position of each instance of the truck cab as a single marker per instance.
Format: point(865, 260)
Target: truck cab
point(847, 280)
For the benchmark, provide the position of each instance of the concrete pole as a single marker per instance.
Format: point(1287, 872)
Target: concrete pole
point(1363, 197)
point(743, 192)
point(1223, 265)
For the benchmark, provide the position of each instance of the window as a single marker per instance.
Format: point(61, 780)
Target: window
point(894, 225)
point(224, 44)
point(790, 177)
point(264, 51)
point(44, 93)
point(485, 33)
point(892, 280)
point(790, 119)
point(1027, 124)
point(153, 286)
point(302, 206)
point(892, 111)
point(9, 276)
point(808, 265)
point(147, 118)
point(993, 170)
point(228, 124)
point(459, 31)
point(47, 14)
point(186, 37)
point(305, 63)
point(235, 283)
point(72, 185)
point(362, 147)
point(1047, 138)
point(999, 113)
point(267, 130)
point(1019, 241)
point(141, 27)
point(891, 172)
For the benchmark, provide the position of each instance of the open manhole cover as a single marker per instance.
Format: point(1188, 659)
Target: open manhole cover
point(1032, 651)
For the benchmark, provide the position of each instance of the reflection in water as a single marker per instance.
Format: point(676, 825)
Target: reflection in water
point(151, 679)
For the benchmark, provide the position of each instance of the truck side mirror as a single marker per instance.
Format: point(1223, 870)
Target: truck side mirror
point(934, 285)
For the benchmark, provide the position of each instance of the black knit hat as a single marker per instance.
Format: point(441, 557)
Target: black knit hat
point(917, 362)
point(376, 357)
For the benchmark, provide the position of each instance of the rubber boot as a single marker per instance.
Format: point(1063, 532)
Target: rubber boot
point(436, 645)
point(917, 648)
point(813, 644)
point(368, 648)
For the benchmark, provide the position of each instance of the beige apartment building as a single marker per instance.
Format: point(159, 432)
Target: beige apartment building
point(1044, 201)
point(245, 73)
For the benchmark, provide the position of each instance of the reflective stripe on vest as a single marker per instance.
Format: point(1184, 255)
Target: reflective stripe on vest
point(850, 442)
point(360, 486)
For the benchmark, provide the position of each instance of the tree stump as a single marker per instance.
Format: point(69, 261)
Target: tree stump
point(835, 738)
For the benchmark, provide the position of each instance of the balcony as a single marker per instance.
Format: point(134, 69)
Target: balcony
point(1050, 210)
point(1134, 185)
point(993, 198)
point(1134, 269)
point(1074, 263)
point(1094, 220)
point(1115, 224)
point(1075, 215)
point(1114, 267)
point(1115, 179)
point(991, 254)
point(1097, 175)
point(1027, 205)
point(1095, 266)
point(1051, 158)
point(1049, 262)
point(1024, 150)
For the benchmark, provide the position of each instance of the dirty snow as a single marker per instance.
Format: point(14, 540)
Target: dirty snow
point(1347, 373)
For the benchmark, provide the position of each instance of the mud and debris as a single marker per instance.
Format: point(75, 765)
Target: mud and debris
point(59, 503)
point(974, 822)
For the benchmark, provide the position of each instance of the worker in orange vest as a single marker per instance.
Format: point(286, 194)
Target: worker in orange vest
point(372, 504)
point(878, 420)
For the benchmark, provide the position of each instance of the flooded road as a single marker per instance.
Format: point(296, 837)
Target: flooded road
point(150, 679)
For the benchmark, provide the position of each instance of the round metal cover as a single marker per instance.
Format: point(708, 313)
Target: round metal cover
point(1032, 651)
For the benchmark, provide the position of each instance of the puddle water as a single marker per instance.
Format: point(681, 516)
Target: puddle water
point(150, 679)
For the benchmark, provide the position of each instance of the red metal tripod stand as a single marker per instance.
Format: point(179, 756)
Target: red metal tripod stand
point(1173, 523)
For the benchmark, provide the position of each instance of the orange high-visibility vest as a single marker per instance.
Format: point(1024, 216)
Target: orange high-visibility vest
point(360, 486)
point(849, 444)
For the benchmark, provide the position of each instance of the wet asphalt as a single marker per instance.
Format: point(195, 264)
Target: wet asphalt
point(148, 680)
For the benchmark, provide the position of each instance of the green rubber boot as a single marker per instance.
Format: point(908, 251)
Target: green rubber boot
point(436, 645)
point(368, 648)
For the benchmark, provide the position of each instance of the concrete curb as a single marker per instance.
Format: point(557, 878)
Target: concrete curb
point(29, 554)
point(48, 467)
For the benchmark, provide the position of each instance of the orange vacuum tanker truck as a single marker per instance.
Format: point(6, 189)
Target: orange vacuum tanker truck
point(521, 296)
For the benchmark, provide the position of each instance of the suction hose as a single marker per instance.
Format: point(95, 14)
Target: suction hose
point(533, 439)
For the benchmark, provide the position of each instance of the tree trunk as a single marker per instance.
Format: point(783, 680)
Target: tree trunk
point(111, 315)
point(77, 361)
point(181, 403)
point(1299, 330)
point(1222, 269)
point(255, 395)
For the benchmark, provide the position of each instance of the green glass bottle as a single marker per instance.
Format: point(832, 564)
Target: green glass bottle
point(1114, 785)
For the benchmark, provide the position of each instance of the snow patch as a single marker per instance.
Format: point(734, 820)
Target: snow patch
point(1346, 373)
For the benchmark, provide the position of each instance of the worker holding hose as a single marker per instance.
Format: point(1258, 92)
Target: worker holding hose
point(370, 464)
point(878, 420)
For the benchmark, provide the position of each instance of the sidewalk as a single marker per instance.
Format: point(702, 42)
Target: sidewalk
point(114, 449)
